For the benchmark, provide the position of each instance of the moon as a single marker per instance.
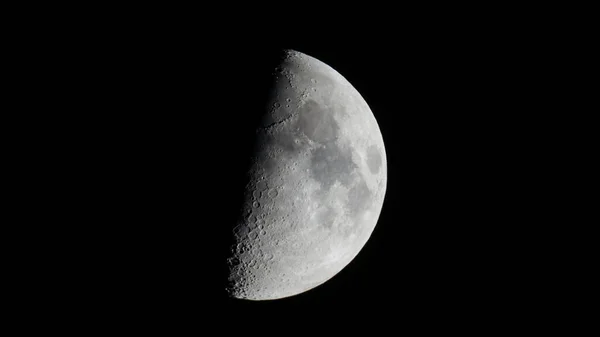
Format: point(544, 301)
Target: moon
point(316, 184)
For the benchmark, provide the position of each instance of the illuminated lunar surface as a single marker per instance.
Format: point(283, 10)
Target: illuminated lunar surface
point(316, 187)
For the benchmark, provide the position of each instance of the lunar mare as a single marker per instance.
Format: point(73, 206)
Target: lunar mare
point(316, 184)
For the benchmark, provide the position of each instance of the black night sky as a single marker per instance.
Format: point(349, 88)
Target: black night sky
point(168, 118)
point(437, 250)
point(449, 242)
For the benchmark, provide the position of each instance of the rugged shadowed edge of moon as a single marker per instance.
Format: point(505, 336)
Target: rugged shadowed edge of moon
point(316, 188)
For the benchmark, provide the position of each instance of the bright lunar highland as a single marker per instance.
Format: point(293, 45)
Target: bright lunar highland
point(316, 184)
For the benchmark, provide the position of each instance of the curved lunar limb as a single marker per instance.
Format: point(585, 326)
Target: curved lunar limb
point(316, 188)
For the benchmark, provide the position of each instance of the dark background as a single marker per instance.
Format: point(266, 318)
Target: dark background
point(155, 120)
point(450, 244)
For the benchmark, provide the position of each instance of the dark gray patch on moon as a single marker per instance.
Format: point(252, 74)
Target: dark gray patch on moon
point(287, 142)
point(359, 198)
point(373, 159)
point(325, 217)
point(317, 122)
point(330, 163)
point(314, 121)
point(268, 166)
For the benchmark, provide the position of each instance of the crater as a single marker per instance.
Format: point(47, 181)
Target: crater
point(241, 231)
point(261, 186)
